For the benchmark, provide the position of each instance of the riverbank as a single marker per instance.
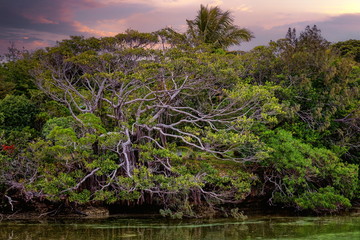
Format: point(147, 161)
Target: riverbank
point(91, 212)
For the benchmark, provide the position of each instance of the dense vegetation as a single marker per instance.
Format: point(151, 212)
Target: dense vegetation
point(174, 121)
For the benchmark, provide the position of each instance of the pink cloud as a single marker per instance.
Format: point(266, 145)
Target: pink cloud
point(85, 29)
point(39, 19)
point(58, 11)
point(36, 23)
point(68, 7)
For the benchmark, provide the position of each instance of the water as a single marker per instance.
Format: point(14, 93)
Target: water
point(285, 228)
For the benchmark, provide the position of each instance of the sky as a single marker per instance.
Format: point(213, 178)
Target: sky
point(33, 24)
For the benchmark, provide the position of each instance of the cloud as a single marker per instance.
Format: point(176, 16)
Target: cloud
point(41, 15)
point(179, 3)
point(242, 8)
point(28, 39)
point(146, 18)
point(216, 3)
point(44, 22)
point(91, 31)
point(23, 21)
point(111, 11)
point(334, 29)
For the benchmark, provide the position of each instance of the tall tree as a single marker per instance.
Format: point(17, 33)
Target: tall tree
point(214, 26)
point(321, 86)
point(146, 112)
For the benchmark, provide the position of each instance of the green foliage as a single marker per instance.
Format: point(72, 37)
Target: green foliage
point(105, 196)
point(17, 112)
point(297, 170)
point(237, 215)
point(65, 137)
point(170, 36)
point(48, 110)
point(6, 88)
point(216, 27)
point(324, 200)
point(175, 120)
point(349, 48)
point(61, 122)
point(136, 39)
point(81, 197)
point(171, 214)
point(20, 137)
point(77, 44)
point(90, 121)
point(54, 185)
point(15, 77)
point(320, 89)
point(106, 163)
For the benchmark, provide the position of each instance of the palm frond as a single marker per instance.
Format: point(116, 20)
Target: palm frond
point(214, 26)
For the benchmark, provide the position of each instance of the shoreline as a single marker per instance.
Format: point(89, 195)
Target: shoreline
point(101, 213)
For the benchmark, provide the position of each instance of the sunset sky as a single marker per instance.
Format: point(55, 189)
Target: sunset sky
point(38, 23)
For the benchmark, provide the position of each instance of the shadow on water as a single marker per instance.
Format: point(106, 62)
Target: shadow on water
point(158, 229)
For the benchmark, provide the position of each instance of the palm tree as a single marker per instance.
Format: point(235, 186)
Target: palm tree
point(214, 26)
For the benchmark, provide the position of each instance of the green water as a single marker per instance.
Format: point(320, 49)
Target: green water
point(265, 227)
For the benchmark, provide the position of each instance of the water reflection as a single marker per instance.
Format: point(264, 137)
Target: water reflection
point(154, 229)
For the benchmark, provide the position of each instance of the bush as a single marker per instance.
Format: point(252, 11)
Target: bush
point(324, 200)
point(17, 112)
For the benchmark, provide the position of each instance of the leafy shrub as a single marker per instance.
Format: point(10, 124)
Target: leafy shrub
point(17, 112)
point(324, 200)
point(307, 177)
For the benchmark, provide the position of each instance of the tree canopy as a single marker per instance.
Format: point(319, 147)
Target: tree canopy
point(154, 119)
